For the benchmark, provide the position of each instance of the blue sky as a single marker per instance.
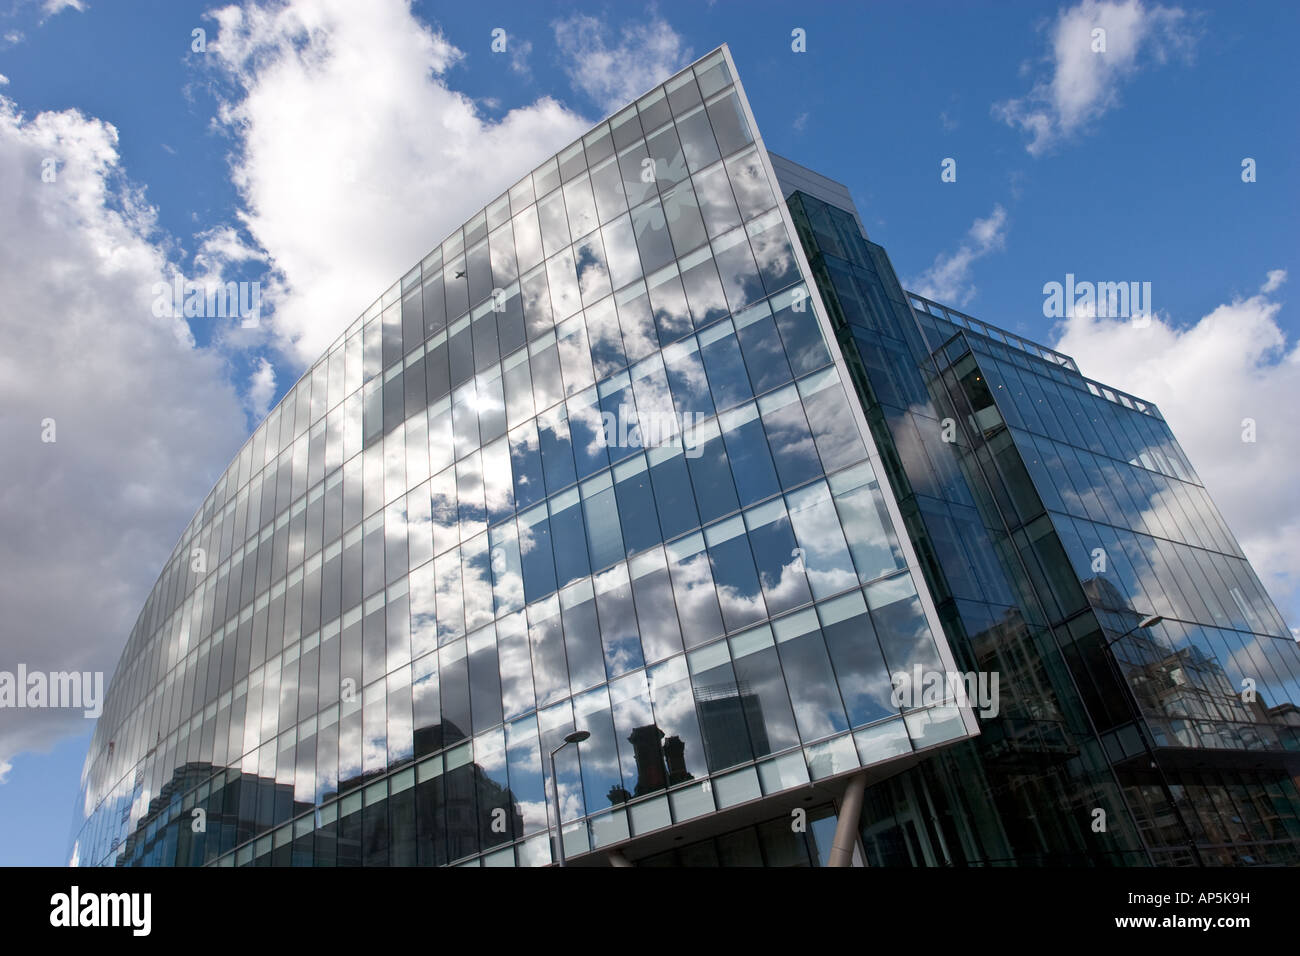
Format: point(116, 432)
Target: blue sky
point(325, 178)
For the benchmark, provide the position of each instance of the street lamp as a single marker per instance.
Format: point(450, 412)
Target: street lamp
point(1151, 620)
point(576, 737)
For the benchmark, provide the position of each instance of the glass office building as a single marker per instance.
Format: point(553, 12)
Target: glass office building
point(656, 450)
point(1148, 684)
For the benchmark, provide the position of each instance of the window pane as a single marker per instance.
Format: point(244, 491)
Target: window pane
point(582, 638)
point(618, 627)
point(727, 376)
point(683, 213)
point(593, 273)
point(729, 124)
point(652, 592)
point(621, 254)
point(789, 437)
point(740, 277)
point(516, 665)
point(606, 339)
point(761, 346)
point(545, 634)
point(569, 538)
point(777, 556)
point(749, 184)
point(697, 603)
point(697, 138)
point(554, 223)
point(866, 523)
point(607, 185)
point(674, 719)
point(817, 706)
point(672, 491)
point(600, 509)
point(703, 287)
point(739, 591)
point(636, 509)
point(581, 206)
point(758, 670)
point(722, 708)
point(652, 238)
point(535, 554)
point(751, 462)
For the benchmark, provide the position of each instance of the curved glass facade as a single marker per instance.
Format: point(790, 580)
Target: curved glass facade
point(595, 463)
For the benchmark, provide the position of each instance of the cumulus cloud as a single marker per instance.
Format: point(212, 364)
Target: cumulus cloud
point(520, 51)
point(612, 72)
point(52, 7)
point(948, 280)
point(1206, 378)
point(352, 155)
point(1085, 81)
point(261, 389)
point(141, 419)
point(221, 247)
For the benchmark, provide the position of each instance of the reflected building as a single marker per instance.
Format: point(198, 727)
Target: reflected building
point(659, 762)
point(731, 721)
point(674, 460)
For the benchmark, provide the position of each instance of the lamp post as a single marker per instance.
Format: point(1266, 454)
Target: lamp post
point(576, 737)
point(1151, 620)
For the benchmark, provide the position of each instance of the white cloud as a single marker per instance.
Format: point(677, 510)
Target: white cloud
point(948, 279)
point(353, 156)
point(1084, 84)
point(142, 419)
point(261, 389)
point(52, 7)
point(1232, 364)
point(222, 246)
point(612, 73)
point(520, 50)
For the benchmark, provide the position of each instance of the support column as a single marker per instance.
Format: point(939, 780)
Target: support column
point(846, 829)
point(616, 858)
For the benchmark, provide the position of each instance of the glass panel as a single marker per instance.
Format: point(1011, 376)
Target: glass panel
point(739, 591)
point(817, 705)
point(866, 523)
point(697, 602)
point(777, 556)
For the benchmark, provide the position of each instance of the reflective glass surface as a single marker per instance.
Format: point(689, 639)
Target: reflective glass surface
point(1054, 515)
point(589, 465)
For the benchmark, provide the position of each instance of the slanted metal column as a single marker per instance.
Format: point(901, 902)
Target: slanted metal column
point(846, 829)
